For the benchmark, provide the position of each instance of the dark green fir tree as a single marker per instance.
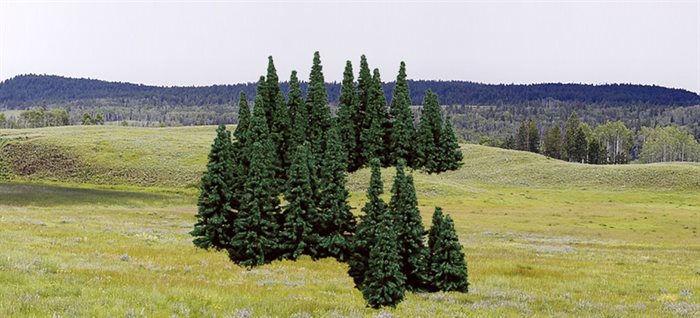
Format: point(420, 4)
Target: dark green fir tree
point(402, 130)
point(214, 226)
point(272, 90)
point(366, 233)
point(345, 120)
point(364, 82)
point(450, 157)
point(295, 100)
point(374, 132)
point(317, 106)
point(428, 139)
point(255, 240)
point(448, 267)
point(298, 235)
point(240, 160)
point(280, 136)
point(338, 222)
point(408, 225)
point(384, 283)
point(298, 112)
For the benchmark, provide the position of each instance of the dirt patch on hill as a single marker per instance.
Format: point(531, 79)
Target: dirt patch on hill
point(36, 159)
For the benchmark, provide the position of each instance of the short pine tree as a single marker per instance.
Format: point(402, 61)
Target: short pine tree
point(450, 153)
point(403, 210)
point(337, 221)
point(448, 267)
point(214, 226)
point(365, 235)
point(384, 283)
point(298, 235)
point(402, 130)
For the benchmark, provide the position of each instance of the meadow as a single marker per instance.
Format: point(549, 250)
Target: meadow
point(96, 223)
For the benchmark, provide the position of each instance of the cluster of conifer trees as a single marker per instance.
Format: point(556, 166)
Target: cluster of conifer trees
point(388, 255)
point(294, 148)
point(370, 130)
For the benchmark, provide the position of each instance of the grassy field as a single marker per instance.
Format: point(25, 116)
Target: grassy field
point(542, 237)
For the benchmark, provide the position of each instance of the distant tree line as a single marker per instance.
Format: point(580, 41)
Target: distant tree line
point(609, 143)
point(36, 118)
point(292, 147)
point(34, 90)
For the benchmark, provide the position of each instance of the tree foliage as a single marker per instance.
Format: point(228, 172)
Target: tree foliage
point(447, 264)
point(366, 234)
point(215, 217)
point(404, 213)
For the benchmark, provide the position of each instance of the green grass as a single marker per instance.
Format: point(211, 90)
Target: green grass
point(542, 238)
point(175, 157)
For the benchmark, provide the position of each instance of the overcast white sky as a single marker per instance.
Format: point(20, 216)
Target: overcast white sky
point(219, 42)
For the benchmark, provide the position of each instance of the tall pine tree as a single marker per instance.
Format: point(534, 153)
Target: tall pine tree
point(375, 122)
point(403, 210)
point(214, 226)
point(364, 82)
point(280, 136)
point(240, 162)
point(255, 240)
point(346, 124)
point(338, 222)
point(365, 235)
point(402, 130)
point(298, 236)
point(272, 89)
point(318, 110)
point(298, 113)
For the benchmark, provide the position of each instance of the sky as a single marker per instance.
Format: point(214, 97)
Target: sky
point(222, 42)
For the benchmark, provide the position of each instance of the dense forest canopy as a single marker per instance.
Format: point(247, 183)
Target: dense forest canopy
point(25, 91)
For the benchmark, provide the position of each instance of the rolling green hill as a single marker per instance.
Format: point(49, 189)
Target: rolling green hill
point(95, 222)
point(175, 158)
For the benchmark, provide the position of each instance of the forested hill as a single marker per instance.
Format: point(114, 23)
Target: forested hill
point(32, 90)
